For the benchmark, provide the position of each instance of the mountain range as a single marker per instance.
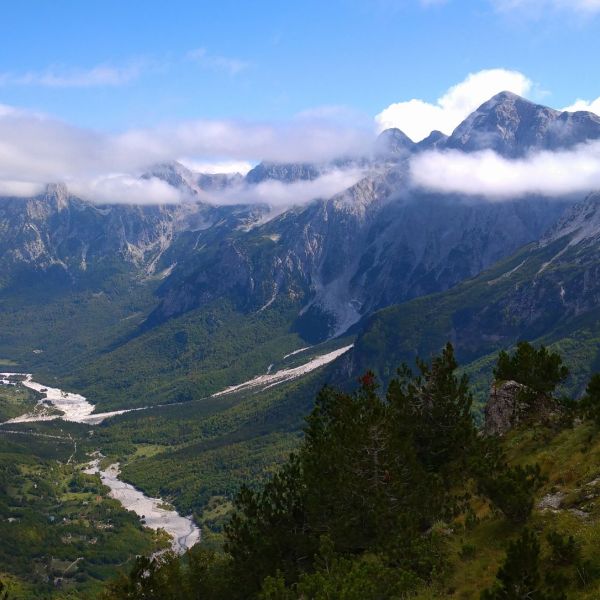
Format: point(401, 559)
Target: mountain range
point(377, 243)
point(320, 269)
point(220, 317)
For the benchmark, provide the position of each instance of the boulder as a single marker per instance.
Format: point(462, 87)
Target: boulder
point(511, 403)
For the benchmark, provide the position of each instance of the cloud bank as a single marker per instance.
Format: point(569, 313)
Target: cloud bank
point(592, 106)
point(219, 166)
point(418, 118)
point(278, 194)
point(127, 189)
point(487, 174)
point(36, 149)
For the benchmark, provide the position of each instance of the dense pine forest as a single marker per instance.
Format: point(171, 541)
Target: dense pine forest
point(396, 494)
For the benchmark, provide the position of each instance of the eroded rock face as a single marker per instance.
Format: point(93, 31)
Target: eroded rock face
point(511, 403)
point(504, 408)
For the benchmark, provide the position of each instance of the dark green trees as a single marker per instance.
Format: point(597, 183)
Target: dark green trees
point(435, 408)
point(270, 530)
point(200, 575)
point(373, 474)
point(362, 509)
point(519, 578)
point(537, 368)
point(590, 403)
point(526, 575)
point(512, 489)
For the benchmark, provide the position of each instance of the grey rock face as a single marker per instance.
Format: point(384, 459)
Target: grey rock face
point(373, 245)
point(567, 284)
point(436, 139)
point(218, 181)
point(504, 409)
point(176, 175)
point(581, 224)
point(70, 238)
point(377, 243)
point(510, 405)
point(285, 172)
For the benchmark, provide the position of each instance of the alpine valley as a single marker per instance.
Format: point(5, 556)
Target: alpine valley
point(203, 330)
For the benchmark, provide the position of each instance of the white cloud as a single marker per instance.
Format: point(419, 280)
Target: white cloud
point(36, 149)
point(233, 66)
point(126, 189)
point(224, 166)
point(418, 118)
point(279, 194)
point(539, 7)
point(19, 189)
point(59, 77)
point(488, 174)
point(204, 139)
point(6, 110)
point(593, 106)
point(39, 148)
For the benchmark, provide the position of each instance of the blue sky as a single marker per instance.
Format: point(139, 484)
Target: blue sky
point(266, 60)
point(94, 92)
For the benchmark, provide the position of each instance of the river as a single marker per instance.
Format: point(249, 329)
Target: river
point(58, 404)
point(183, 531)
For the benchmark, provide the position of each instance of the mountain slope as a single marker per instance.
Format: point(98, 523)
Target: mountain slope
point(548, 291)
point(171, 280)
point(375, 244)
point(382, 242)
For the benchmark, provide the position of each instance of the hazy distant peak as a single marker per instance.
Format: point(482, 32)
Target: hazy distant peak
point(436, 139)
point(392, 142)
point(284, 172)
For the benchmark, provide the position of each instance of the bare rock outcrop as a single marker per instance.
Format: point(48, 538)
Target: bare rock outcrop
point(511, 403)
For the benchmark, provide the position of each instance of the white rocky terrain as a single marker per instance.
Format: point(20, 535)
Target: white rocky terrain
point(183, 531)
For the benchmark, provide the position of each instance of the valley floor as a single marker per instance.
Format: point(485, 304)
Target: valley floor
point(56, 417)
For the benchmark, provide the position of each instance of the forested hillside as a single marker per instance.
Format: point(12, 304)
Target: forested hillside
point(395, 493)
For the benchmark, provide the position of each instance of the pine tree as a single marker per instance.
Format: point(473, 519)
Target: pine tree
point(590, 403)
point(539, 369)
point(269, 530)
point(512, 490)
point(436, 404)
point(519, 578)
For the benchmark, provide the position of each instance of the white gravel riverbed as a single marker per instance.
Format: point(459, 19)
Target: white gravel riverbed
point(183, 530)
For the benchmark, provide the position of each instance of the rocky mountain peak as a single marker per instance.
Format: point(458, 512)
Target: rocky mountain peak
point(393, 142)
point(284, 172)
point(58, 194)
point(507, 124)
point(218, 181)
point(175, 174)
point(436, 139)
point(514, 126)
